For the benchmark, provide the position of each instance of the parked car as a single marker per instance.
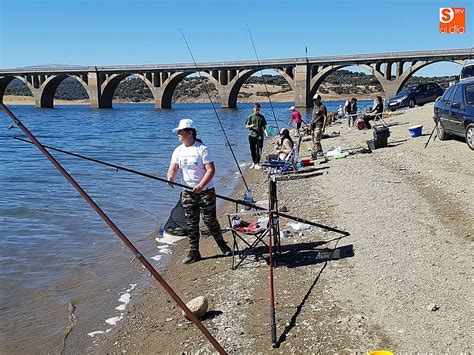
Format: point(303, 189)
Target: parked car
point(454, 112)
point(415, 95)
point(467, 72)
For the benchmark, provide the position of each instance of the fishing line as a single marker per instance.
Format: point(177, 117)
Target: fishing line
point(222, 197)
point(215, 111)
point(263, 77)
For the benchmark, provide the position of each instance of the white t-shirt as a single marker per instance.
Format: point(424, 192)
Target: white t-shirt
point(191, 161)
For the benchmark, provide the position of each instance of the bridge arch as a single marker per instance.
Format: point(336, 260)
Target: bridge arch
point(50, 85)
point(169, 87)
point(230, 92)
point(392, 86)
point(320, 75)
point(6, 80)
point(108, 87)
point(160, 84)
point(410, 72)
point(229, 89)
point(286, 73)
point(323, 74)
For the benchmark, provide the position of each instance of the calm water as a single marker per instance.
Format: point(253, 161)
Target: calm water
point(54, 249)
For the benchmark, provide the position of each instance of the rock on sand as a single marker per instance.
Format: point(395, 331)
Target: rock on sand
point(198, 306)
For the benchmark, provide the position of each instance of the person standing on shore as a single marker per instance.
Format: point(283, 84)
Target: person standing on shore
point(257, 127)
point(350, 110)
point(198, 168)
point(318, 124)
point(296, 118)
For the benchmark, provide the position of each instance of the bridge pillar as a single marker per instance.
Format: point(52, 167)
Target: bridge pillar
point(391, 87)
point(162, 97)
point(227, 99)
point(301, 86)
point(94, 90)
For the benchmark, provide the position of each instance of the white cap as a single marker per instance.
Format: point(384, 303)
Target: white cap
point(183, 124)
point(283, 131)
point(316, 96)
point(292, 108)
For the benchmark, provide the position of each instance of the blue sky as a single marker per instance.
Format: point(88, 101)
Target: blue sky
point(104, 32)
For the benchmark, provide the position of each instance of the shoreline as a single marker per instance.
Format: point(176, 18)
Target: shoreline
point(336, 294)
point(29, 100)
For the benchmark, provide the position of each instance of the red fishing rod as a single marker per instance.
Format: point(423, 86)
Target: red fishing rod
point(117, 231)
point(272, 206)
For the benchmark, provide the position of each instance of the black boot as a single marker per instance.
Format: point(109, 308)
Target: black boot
point(224, 248)
point(192, 256)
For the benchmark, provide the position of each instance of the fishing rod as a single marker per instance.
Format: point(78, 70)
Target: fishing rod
point(272, 288)
point(215, 112)
point(137, 254)
point(172, 183)
point(431, 135)
point(263, 77)
point(272, 204)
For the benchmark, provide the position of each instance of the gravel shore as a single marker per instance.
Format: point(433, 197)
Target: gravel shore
point(400, 281)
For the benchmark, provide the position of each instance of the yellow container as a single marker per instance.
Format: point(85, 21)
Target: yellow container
point(379, 352)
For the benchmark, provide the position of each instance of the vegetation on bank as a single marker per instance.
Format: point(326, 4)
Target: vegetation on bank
point(341, 82)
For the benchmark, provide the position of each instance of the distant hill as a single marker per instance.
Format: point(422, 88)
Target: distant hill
point(341, 82)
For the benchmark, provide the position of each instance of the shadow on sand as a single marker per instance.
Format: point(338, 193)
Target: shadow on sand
point(308, 254)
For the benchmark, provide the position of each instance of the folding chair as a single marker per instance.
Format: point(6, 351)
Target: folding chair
point(248, 237)
point(283, 166)
point(379, 119)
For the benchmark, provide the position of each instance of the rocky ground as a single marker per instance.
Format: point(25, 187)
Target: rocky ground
point(400, 281)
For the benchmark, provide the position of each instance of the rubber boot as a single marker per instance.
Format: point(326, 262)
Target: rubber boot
point(224, 248)
point(191, 256)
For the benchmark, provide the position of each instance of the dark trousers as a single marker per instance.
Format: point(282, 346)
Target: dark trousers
point(368, 118)
point(256, 146)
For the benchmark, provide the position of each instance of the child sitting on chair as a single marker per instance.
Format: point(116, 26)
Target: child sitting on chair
point(284, 147)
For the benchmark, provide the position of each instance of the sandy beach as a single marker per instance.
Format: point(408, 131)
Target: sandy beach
point(400, 281)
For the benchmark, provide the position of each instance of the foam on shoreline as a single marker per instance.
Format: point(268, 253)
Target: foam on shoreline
point(124, 299)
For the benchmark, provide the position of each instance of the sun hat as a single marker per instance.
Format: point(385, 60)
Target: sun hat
point(292, 108)
point(317, 96)
point(183, 124)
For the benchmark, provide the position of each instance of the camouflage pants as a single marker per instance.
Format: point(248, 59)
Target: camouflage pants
point(317, 132)
point(205, 203)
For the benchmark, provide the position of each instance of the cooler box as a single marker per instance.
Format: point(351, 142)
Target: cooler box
point(377, 143)
point(381, 132)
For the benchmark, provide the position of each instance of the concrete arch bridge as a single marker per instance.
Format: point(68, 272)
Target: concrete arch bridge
point(304, 75)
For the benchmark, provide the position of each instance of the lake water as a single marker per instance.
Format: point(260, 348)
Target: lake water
point(55, 250)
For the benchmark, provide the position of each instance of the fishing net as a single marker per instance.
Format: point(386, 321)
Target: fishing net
point(176, 223)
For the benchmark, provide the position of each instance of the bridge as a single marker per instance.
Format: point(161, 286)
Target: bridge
point(304, 75)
